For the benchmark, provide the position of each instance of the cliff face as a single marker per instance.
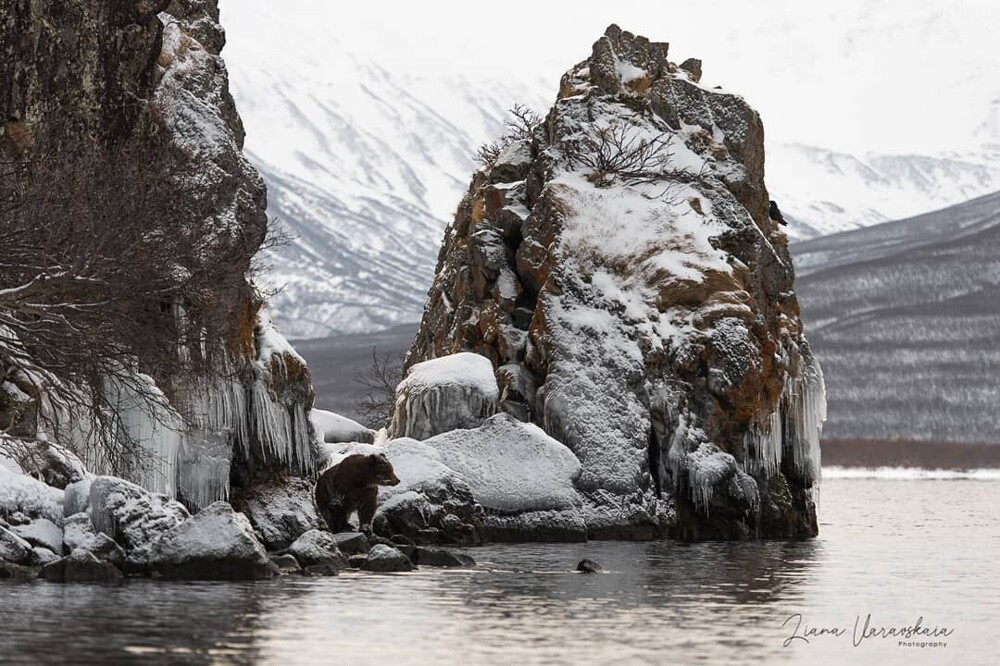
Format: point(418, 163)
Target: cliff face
point(82, 82)
point(617, 264)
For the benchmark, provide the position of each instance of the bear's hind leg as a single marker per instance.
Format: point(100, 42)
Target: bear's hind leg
point(366, 508)
point(336, 516)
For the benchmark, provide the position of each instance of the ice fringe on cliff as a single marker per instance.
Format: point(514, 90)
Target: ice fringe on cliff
point(190, 455)
point(794, 429)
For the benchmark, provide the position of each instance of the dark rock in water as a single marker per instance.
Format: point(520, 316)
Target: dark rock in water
point(436, 557)
point(80, 567)
point(357, 561)
point(317, 547)
point(321, 570)
point(352, 543)
point(386, 559)
point(10, 571)
point(215, 544)
point(286, 563)
point(589, 566)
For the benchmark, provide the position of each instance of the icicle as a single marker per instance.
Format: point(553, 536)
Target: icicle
point(805, 413)
point(204, 470)
point(762, 446)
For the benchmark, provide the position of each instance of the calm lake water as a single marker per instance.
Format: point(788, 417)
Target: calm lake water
point(898, 550)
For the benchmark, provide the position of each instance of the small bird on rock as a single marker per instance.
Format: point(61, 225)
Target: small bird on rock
point(775, 214)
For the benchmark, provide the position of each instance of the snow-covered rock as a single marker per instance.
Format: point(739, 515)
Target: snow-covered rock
point(41, 556)
point(77, 530)
point(637, 301)
point(382, 558)
point(23, 494)
point(446, 393)
point(132, 516)
point(317, 547)
point(215, 544)
point(280, 511)
point(41, 532)
point(511, 466)
point(333, 428)
point(103, 548)
point(13, 548)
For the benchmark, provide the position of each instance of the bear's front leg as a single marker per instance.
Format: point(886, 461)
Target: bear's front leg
point(366, 508)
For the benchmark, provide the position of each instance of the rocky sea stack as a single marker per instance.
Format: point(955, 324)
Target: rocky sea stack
point(616, 263)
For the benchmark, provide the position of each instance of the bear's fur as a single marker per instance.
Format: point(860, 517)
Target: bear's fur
point(352, 484)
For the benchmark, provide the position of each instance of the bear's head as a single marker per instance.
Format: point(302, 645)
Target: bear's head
point(381, 470)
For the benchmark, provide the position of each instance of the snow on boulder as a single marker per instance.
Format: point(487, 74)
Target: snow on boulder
point(445, 393)
point(132, 516)
point(41, 532)
point(76, 530)
point(23, 494)
point(331, 427)
point(215, 544)
point(511, 466)
point(280, 512)
point(13, 548)
point(103, 548)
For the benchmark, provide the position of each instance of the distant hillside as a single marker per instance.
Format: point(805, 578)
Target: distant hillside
point(905, 317)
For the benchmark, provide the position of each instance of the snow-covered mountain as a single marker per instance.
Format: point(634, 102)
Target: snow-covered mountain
point(365, 123)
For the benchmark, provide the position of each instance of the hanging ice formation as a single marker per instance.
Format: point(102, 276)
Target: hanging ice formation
point(190, 456)
point(793, 430)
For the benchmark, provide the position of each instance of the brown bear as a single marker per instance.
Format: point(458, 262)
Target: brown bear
point(352, 484)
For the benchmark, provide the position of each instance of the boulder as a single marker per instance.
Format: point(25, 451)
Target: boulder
point(215, 544)
point(42, 556)
point(23, 499)
point(286, 563)
point(103, 548)
point(13, 548)
point(334, 428)
point(41, 532)
point(436, 557)
point(383, 558)
point(317, 547)
point(80, 567)
point(132, 516)
point(442, 394)
point(588, 566)
point(76, 530)
point(321, 570)
point(280, 511)
point(352, 543)
point(357, 561)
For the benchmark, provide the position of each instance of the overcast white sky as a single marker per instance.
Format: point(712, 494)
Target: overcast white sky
point(854, 75)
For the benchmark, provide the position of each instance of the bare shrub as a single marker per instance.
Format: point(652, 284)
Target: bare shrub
point(520, 125)
point(107, 275)
point(380, 382)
